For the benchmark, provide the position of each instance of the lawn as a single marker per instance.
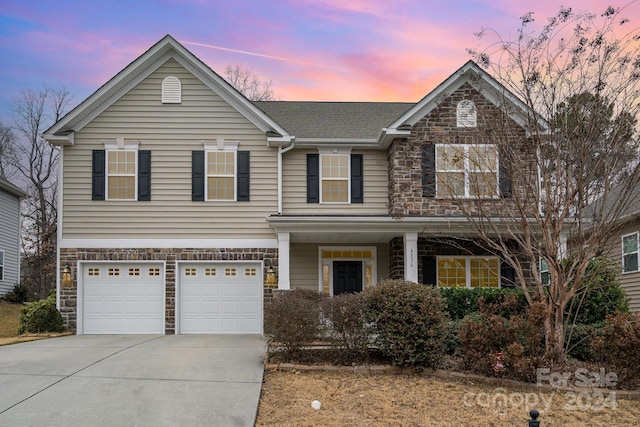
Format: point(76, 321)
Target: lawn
point(406, 400)
point(9, 319)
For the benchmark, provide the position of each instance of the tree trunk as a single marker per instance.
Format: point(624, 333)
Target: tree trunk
point(554, 335)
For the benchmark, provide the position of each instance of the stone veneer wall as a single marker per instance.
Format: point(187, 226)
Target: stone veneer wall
point(439, 126)
point(68, 295)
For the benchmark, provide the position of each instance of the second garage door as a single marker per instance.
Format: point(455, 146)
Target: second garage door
point(220, 298)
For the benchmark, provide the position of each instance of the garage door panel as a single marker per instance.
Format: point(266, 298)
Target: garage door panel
point(121, 298)
point(229, 298)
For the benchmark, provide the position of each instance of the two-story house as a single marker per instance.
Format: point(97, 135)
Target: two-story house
point(181, 200)
point(10, 196)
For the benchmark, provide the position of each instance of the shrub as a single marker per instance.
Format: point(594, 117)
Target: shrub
point(464, 301)
point(579, 338)
point(520, 339)
point(18, 295)
point(617, 346)
point(600, 294)
point(347, 326)
point(292, 319)
point(41, 316)
point(409, 320)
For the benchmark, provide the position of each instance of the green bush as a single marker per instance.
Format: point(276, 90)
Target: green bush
point(464, 301)
point(41, 316)
point(600, 294)
point(18, 295)
point(293, 320)
point(409, 320)
point(347, 326)
point(579, 339)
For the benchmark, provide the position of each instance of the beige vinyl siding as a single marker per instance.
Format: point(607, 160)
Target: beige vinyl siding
point(294, 185)
point(305, 264)
point(171, 132)
point(9, 240)
point(630, 282)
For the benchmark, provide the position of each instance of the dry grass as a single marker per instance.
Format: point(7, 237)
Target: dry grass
point(9, 319)
point(400, 400)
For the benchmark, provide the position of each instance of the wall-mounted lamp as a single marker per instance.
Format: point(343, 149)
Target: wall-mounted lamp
point(272, 281)
point(66, 276)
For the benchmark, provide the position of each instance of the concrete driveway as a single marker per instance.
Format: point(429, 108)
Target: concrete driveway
point(139, 380)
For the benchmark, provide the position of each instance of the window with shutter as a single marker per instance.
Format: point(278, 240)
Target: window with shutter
point(121, 172)
point(220, 173)
point(335, 178)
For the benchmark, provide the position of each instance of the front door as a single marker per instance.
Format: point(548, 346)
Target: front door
point(347, 277)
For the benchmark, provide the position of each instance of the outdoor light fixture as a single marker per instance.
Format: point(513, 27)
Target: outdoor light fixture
point(271, 277)
point(66, 276)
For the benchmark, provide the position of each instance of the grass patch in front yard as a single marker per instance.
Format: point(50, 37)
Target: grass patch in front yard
point(9, 319)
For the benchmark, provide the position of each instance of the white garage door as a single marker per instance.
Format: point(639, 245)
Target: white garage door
point(220, 298)
point(123, 298)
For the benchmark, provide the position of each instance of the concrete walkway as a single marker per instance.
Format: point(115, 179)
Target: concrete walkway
point(139, 380)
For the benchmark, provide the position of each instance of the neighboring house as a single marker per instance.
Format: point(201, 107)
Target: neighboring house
point(179, 197)
point(624, 248)
point(10, 196)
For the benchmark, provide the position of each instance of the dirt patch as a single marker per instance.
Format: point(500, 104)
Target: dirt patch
point(405, 400)
point(9, 319)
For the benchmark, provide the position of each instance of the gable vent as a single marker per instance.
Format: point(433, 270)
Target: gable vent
point(171, 90)
point(466, 114)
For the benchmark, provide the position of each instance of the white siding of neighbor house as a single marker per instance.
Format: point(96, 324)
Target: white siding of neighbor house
point(630, 282)
point(9, 240)
point(171, 132)
point(375, 174)
point(305, 264)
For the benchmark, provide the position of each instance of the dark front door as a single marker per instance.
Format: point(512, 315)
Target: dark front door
point(347, 277)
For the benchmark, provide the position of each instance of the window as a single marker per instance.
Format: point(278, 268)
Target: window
point(464, 170)
point(630, 252)
point(171, 90)
point(466, 114)
point(220, 173)
point(545, 276)
point(121, 172)
point(1, 265)
point(335, 177)
point(469, 272)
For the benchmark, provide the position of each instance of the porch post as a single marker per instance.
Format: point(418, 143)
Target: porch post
point(411, 257)
point(283, 261)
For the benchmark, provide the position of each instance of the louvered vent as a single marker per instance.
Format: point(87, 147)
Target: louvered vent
point(466, 114)
point(171, 90)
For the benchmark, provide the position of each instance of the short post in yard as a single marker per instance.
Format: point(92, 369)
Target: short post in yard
point(533, 422)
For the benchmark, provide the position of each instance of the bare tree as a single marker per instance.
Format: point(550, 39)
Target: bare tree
point(247, 83)
point(7, 141)
point(579, 78)
point(35, 161)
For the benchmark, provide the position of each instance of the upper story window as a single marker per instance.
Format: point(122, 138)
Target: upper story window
point(466, 114)
point(545, 275)
point(335, 176)
point(220, 172)
point(630, 252)
point(464, 170)
point(469, 272)
point(171, 90)
point(121, 172)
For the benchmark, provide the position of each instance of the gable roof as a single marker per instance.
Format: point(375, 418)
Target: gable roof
point(62, 131)
point(353, 122)
point(11, 188)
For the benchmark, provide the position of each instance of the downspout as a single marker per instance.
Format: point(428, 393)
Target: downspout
point(281, 151)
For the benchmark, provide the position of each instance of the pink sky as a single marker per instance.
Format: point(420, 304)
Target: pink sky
point(329, 50)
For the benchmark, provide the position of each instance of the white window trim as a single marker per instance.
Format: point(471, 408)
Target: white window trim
point(2, 258)
point(467, 172)
point(220, 145)
point(468, 269)
point(637, 252)
point(336, 151)
point(120, 144)
point(322, 262)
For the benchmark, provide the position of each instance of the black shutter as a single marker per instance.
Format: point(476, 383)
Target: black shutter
point(357, 181)
point(429, 170)
point(313, 178)
point(504, 176)
point(144, 175)
point(429, 271)
point(243, 176)
point(98, 175)
point(197, 176)
point(507, 275)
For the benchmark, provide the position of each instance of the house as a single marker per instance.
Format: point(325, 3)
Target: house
point(10, 196)
point(181, 200)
